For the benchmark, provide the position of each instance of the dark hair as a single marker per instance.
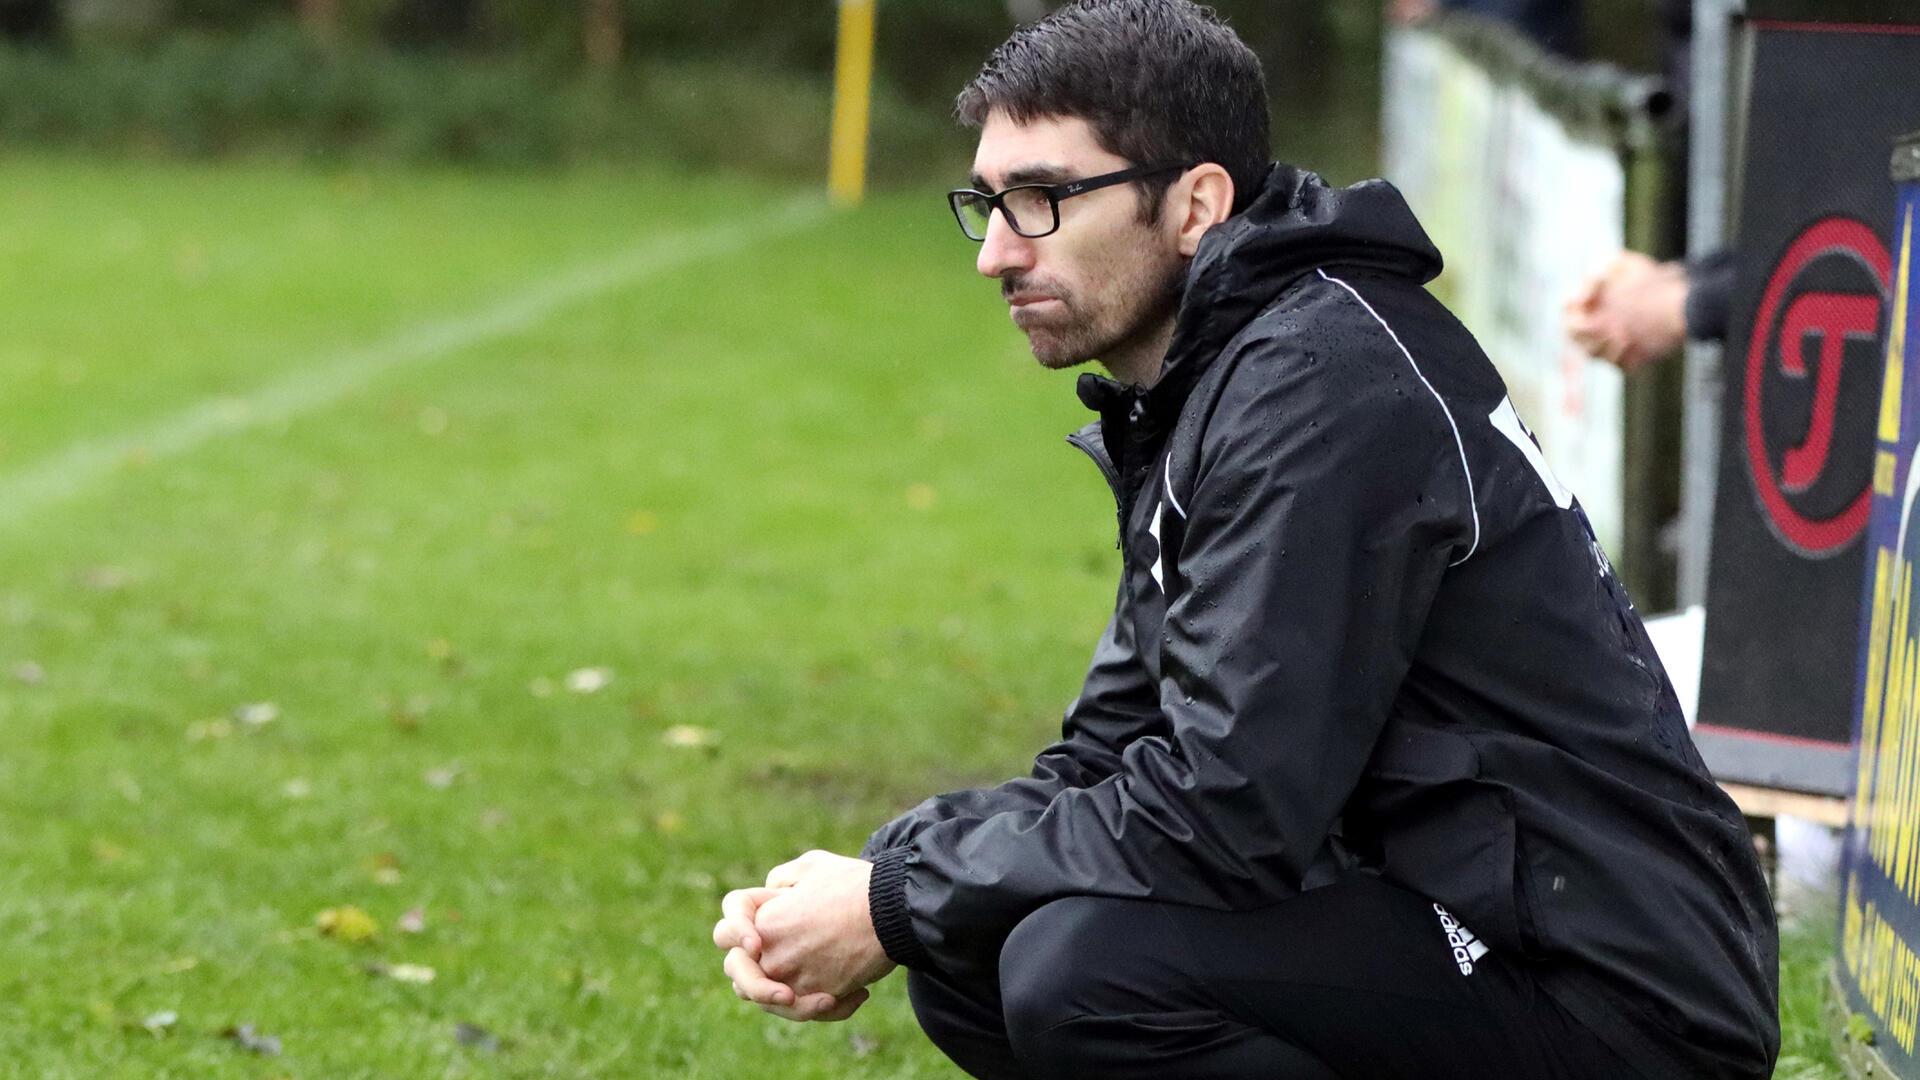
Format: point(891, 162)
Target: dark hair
point(1159, 81)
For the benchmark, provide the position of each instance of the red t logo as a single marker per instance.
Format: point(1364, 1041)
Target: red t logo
point(1832, 317)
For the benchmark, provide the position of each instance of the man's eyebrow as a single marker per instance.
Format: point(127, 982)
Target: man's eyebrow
point(1028, 174)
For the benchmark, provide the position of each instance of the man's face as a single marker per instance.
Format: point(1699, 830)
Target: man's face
point(1106, 280)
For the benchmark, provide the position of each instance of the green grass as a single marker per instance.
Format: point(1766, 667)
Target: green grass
point(809, 496)
point(1807, 942)
point(806, 496)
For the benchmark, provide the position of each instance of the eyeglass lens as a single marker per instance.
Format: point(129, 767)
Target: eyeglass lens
point(1028, 210)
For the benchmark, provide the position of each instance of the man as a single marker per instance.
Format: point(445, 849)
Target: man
point(1375, 772)
point(1557, 25)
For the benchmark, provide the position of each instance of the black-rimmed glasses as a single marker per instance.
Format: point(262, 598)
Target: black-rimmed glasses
point(1033, 210)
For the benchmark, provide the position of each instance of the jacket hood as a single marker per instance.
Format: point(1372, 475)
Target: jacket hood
point(1296, 223)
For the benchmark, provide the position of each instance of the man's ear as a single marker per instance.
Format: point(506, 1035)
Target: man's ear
point(1202, 199)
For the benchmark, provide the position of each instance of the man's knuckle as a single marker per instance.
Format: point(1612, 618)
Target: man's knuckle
point(738, 967)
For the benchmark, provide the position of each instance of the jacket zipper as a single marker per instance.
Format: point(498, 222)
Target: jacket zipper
point(1112, 474)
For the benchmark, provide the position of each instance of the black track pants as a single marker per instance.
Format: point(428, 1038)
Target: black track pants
point(1357, 980)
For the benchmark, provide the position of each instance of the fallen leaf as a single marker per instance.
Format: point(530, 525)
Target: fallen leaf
point(105, 578)
point(589, 680)
point(210, 729)
point(248, 1039)
point(442, 651)
point(689, 737)
point(407, 715)
point(257, 715)
point(417, 974)
point(348, 923)
point(476, 1037)
point(583, 983)
point(384, 868)
point(160, 1024)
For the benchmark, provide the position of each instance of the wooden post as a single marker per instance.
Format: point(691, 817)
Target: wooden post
point(852, 102)
point(603, 34)
point(321, 19)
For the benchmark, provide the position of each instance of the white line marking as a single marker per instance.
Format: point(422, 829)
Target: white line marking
point(70, 471)
point(1177, 508)
point(1464, 467)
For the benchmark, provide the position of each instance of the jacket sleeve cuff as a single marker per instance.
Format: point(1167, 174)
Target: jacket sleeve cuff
point(887, 906)
point(1709, 296)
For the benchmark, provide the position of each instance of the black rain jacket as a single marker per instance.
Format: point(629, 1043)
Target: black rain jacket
point(1362, 628)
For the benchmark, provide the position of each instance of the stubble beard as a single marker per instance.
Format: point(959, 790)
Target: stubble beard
point(1082, 331)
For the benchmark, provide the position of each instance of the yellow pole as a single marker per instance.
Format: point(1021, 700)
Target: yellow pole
point(852, 96)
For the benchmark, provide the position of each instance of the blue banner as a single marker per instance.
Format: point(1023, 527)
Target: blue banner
point(1880, 908)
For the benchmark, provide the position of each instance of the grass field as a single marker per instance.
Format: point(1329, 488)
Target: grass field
point(520, 561)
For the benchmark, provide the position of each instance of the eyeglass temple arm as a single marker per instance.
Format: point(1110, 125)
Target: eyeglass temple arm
point(1081, 187)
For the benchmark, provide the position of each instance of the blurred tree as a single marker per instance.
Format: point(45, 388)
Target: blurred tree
point(321, 18)
point(603, 33)
point(34, 21)
point(929, 49)
point(1298, 43)
point(115, 20)
point(1627, 32)
point(221, 14)
point(432, 24)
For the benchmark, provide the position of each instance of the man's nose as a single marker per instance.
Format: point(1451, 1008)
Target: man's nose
point(1003, 251)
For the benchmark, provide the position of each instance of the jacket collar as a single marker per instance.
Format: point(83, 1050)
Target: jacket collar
point(1296, 224)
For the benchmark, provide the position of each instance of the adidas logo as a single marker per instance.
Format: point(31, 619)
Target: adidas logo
point(1466, 947)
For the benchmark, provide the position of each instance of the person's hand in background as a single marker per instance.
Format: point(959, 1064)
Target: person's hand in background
point(1633, 312)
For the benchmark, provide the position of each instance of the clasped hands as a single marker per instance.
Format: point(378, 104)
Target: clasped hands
point(1631, 313)
point(803, 947)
